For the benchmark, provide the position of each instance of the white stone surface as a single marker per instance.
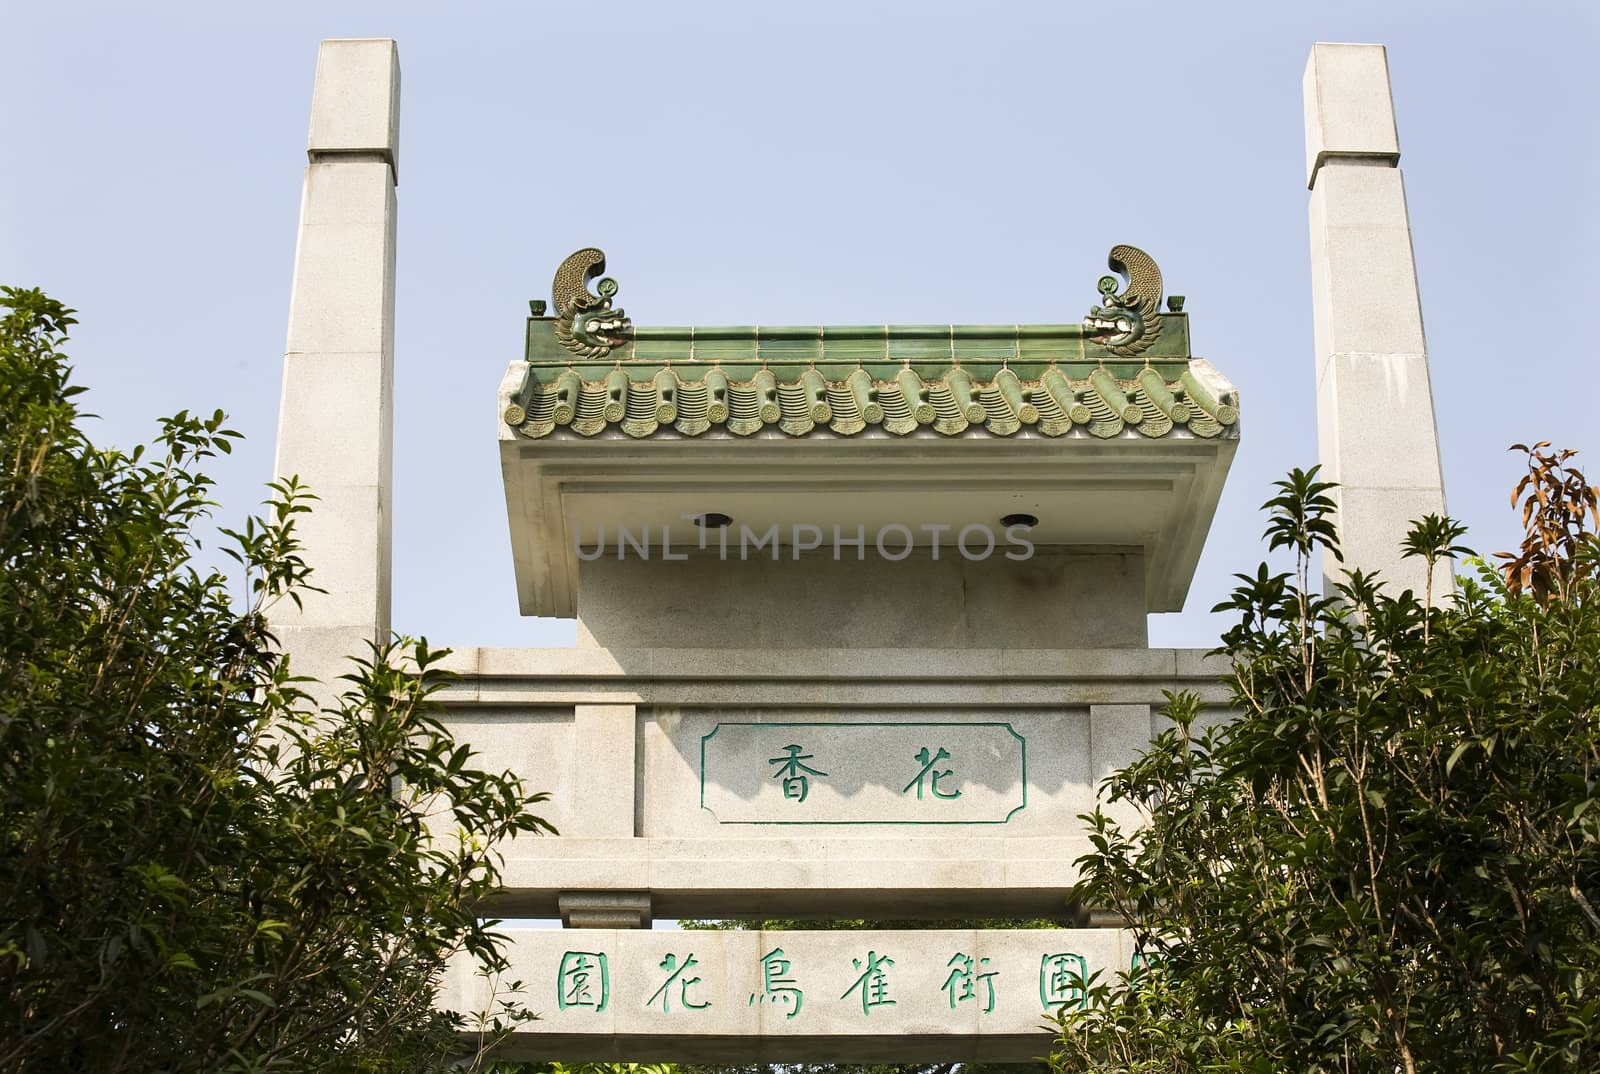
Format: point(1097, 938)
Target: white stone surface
point(799, 773)
point(605, 909)
point(346, 542)
point(508, 678)
point(539, 744)
point(813, 876)
point(1153, 498)
point(789, 996)
point(342, 299)
point(1363, 276)
point(728, 843)
point(1083, 712)
point(604, 742)
point(319, 391)
point(355, 106)
point(321, 652)
point(335, 423)
point(1401, 453)
point(1375, 421)
point(1349, 110)
point(1052, 600)
point(709, 773)
point(1117, 734)
point(1373, 547)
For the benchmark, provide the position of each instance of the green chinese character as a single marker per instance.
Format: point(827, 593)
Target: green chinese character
point(794, 774)
point(927, 762)
point(676, 971)
point(1061, 981)
point(575, 980)
point(873, 982)
point(777, 985)
point(963, 982)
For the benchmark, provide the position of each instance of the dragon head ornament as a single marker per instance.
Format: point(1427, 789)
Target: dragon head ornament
point(1128, 322)
point(585, 322)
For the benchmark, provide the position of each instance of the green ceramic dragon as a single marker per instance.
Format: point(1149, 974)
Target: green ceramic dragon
point(587, 325)
point(1129, 322)
point(585, 322)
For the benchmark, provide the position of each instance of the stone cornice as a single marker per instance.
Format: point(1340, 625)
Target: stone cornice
point(934, 677)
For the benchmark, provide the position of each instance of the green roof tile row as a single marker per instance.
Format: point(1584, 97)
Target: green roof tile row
point(1055, 404)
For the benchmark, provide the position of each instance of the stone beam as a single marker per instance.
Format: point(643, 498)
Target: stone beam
point(668, 777)
point(335, 422)
point(811, 874)
point(1375, 420)
point(786, 997)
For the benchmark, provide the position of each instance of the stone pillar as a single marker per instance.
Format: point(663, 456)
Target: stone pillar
point(604, 806)
point(1117, 735)
point(334, 426)
point(1375, 424)
point(604, 738)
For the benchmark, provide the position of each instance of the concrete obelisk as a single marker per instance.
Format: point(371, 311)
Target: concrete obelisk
point(1375, 420)
point(335, 428)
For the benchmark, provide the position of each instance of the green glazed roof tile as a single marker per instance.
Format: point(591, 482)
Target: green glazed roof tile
point(1125, 367)
point(1054, 405)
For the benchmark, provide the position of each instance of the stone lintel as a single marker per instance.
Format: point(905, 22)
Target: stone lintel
point(689, 662)
point(693, 814)
point(498, 678)
point(873, 872)
point(736, 1051)
point(790, 996)
point(1348, 106)
point(605, 909)
point(1047, 901)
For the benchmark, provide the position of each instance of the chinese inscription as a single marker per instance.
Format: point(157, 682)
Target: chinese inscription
point(776, 984)
point(794, 772)
point(583, 980)
point(676, 970)
point(967, 976)
point(928, 770)
point(1061, 980)
point(912, 772)
point(873, 984)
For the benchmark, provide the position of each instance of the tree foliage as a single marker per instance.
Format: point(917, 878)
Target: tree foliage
point(198, 872)
point(1387, 859)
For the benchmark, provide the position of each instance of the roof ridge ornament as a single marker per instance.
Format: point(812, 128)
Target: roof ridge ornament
point(1129, 322)
point(585, 323)
point(1127, 325)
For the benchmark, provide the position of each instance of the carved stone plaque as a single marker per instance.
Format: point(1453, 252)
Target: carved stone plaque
point(786, 996)
point(899, 773)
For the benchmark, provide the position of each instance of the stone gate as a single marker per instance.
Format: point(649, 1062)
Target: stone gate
point(861, 608)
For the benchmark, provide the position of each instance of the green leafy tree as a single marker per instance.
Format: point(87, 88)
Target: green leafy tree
point(198, 872)
point(1387, 859)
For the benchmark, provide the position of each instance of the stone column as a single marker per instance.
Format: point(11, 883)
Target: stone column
point(604, 739)
point(605, 802)
point(1117, 735)
point(1375, 424)
point(334, 426)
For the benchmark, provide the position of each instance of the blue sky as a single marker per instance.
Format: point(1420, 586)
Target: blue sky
point(812, 163)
